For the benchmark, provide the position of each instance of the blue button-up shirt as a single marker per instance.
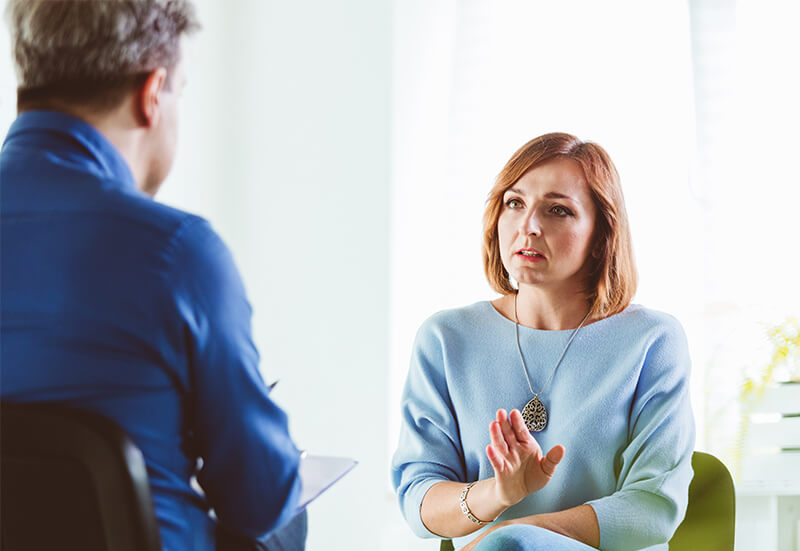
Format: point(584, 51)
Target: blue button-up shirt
point(117, 304)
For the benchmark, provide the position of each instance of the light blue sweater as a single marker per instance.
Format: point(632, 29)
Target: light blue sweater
point(619, 404)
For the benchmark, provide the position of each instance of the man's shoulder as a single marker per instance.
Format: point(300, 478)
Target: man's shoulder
point(45, 189)
point(140, 223)
point(150, 214)
point(187, 237)
point(167, 227)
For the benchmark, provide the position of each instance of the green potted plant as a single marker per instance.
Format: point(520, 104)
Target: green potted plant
point(783, 368)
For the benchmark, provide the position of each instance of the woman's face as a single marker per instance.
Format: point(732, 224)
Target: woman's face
point(546, 226)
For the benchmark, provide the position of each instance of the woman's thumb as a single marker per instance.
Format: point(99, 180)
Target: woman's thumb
point(553, 458)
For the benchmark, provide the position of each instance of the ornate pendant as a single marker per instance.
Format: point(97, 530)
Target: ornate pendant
point(534, 415)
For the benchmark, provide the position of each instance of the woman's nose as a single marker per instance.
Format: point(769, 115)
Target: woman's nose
point(530, 224)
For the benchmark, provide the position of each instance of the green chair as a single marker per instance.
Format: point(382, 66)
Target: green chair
point(710, 516)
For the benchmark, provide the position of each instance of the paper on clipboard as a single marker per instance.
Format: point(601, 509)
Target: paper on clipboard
point(320, 472)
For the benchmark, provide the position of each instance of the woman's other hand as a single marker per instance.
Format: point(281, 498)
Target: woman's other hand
point(520, 467)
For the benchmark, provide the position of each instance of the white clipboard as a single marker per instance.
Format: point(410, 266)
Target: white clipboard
point(318, 473)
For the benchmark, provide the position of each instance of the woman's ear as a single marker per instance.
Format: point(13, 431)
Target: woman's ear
point(148, 97)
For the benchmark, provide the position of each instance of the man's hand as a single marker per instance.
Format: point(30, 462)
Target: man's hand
point(519, 465)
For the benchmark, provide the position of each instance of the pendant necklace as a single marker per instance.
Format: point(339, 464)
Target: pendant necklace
point(534, 413)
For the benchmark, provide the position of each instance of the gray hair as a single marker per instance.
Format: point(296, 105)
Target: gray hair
point(98, 41)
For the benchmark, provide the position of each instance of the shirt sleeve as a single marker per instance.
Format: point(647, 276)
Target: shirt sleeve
point(655, 467)
point(249, 463)
point(429, 450)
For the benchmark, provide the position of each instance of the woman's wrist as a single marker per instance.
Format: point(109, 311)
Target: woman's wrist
point(502, 496)
point(485, 503)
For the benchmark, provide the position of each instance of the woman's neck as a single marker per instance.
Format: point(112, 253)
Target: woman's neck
point(548, 311)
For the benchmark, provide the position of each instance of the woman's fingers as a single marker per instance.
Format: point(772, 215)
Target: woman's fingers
point(496, 435)
point(518, 425)
point(523, 435)
point(552, 459)
point(501, 415)
point(494, 458)
point(505, 426)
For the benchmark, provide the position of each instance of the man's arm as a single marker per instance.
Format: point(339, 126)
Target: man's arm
point(250, 464)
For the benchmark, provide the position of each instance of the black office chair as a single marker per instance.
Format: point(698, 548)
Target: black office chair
point(71, 479)
point(711, 513)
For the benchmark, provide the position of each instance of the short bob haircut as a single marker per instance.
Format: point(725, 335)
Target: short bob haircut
point(613, 278)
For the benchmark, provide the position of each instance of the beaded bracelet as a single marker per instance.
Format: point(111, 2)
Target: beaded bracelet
point(462, 502)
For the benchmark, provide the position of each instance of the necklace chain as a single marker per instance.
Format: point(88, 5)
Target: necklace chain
point(522, 359)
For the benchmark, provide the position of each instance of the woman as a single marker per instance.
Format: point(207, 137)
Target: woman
point(600, 383)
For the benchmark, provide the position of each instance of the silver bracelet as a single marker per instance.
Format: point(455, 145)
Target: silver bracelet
point(462, 502)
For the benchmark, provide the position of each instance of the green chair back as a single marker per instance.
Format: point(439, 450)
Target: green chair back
point(710, 515)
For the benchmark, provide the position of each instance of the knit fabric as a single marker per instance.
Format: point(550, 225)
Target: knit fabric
point(619, 403)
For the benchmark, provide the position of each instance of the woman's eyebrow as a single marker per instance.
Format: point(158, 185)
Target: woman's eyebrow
point(548, 195)
point(557, 195)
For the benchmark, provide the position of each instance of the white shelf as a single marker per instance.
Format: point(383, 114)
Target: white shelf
point(770, 488)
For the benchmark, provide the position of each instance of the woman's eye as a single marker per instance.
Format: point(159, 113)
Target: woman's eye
point(558, 210)
point(513, 203)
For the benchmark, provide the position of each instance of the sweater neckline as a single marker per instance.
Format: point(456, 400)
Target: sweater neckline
point(502, 319)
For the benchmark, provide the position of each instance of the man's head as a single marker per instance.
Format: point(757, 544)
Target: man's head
point(116, 63)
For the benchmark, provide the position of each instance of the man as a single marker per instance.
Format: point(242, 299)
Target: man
point(114, 303)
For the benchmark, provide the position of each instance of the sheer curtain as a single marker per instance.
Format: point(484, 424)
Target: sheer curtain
point(747, 81)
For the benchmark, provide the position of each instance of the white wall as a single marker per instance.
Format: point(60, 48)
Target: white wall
point(286, 148)
point(8, 83)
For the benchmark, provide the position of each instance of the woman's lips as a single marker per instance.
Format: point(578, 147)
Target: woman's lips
point(531, 255)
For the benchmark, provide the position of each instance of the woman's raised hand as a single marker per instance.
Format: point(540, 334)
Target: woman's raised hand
point(520, 468)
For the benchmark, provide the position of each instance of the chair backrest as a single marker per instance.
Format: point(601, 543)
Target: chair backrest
point(711, 514)
point(71, 479)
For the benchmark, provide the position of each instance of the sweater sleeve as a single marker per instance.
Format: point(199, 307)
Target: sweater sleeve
point(655, 467)
point(250, 464)
point(429, 450)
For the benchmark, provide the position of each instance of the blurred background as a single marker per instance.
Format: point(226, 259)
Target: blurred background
point(344, 150)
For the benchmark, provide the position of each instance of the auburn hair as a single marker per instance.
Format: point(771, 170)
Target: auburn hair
point(613, 278)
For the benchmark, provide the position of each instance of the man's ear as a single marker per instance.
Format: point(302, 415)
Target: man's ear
point(148, 104)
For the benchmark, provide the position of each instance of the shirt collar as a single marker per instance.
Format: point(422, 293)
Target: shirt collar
point(100, 154)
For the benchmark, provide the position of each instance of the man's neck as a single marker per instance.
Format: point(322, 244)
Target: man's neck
point(118, 127)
